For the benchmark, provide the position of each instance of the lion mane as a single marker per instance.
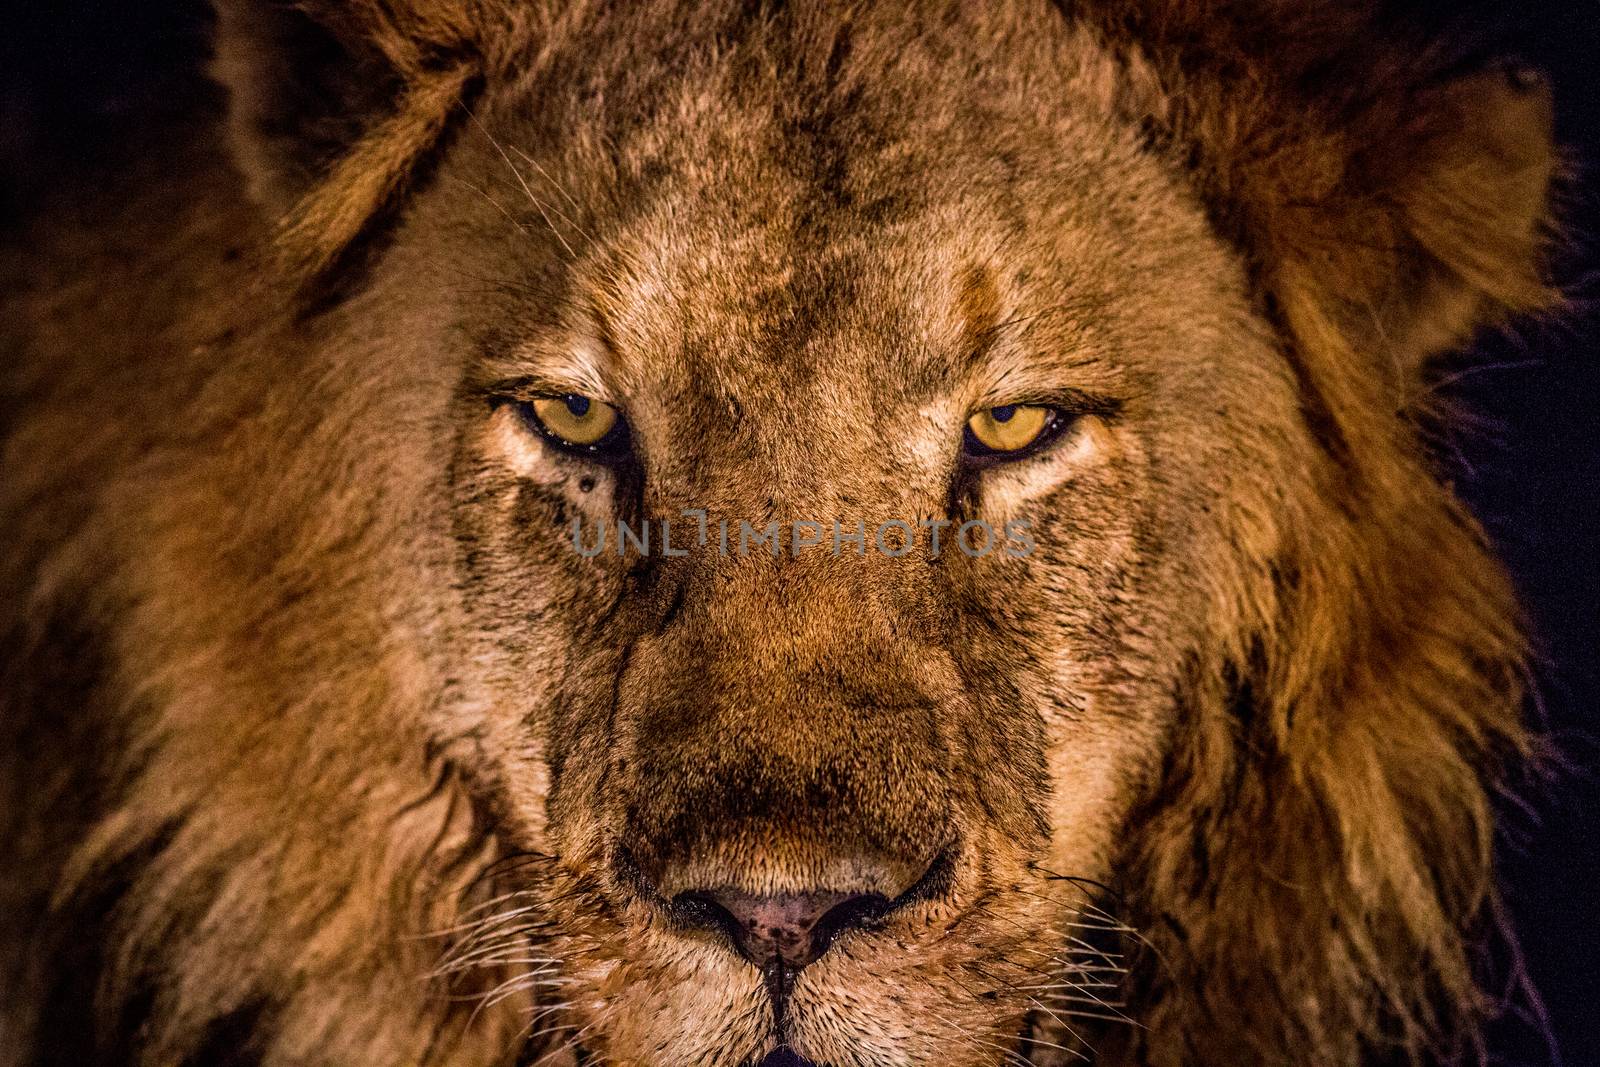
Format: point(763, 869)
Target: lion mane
point(1320, 844)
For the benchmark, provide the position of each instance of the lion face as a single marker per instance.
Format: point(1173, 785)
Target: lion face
point(756, 534)
point(844, 787)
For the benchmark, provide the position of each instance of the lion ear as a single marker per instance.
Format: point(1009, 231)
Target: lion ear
point(1480, 218)
point(298, 96)
point(1439, 224)
point(1391, 195)
point(332, 104)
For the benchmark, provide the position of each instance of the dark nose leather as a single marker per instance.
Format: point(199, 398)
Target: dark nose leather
point(792, 928)
point(785, 1057)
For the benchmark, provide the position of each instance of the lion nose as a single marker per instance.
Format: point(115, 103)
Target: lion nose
point(795, 928)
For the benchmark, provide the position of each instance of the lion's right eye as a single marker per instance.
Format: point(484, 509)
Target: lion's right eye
point(1011, 431)
point(577, 424)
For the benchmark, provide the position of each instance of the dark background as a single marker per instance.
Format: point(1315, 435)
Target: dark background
point(79, 75)
point(1530, 467)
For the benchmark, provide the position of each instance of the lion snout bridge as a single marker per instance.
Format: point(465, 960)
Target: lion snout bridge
point(785, 846)
point(795, 784)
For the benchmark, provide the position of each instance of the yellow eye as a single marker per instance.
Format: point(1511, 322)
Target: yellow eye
point(574, 420)
point(1010, 428)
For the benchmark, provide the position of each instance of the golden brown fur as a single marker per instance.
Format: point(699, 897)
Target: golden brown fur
point(325, 748)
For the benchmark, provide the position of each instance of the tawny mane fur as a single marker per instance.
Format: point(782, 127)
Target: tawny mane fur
point(265, 701)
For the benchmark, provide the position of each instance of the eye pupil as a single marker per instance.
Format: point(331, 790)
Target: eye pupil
point(578, 405)
point(1003, 413)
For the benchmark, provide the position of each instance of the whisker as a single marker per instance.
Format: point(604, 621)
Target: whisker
point(557, 187)
point(1012, 1056)
point(527, 190)
point(498, 206)
point(1034, 1039)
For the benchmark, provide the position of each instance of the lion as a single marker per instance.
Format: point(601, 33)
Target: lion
point(329, 738)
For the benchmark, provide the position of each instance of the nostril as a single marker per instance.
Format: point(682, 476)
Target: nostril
point(784, 1056)
point(794, 928)
point(850, 913)
point(702, 911)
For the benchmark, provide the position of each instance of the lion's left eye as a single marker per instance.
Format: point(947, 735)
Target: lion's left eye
point(1010, 430)
point(577, 423)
